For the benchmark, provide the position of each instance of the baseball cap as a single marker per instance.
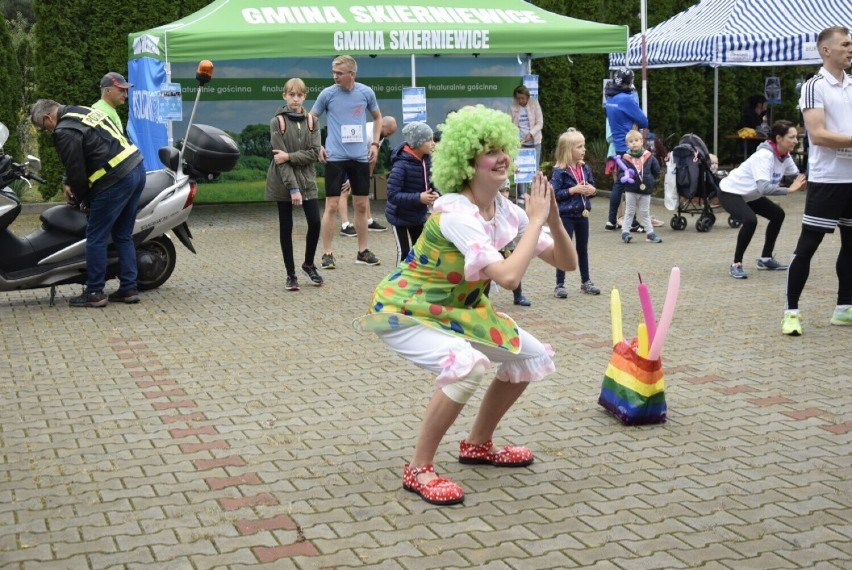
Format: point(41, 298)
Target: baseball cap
point(113, 79)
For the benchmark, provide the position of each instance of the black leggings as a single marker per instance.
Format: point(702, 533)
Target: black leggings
point(403, 235)
point(747, 213)
point(285, 227)
point(800, 266)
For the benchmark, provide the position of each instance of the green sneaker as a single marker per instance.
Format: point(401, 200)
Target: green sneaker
point(366, 257)
point(792, 324)
point(842, 317)
point(327, 261)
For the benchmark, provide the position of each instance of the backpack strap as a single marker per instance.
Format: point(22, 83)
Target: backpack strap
point(282, 124)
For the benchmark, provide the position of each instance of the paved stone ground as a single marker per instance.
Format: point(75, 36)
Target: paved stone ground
point(227, 423)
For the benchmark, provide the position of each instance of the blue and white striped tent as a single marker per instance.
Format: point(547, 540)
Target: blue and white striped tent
point(738, 32)
point(721, 33)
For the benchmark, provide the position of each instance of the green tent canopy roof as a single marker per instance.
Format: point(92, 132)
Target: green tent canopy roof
point(255, 29)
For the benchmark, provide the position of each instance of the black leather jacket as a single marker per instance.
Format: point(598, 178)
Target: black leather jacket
point(85, 149)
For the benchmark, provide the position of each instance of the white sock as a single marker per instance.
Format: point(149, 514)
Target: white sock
point(345, 225)
point(791, 312)
point(842, 307)
point(369, 221)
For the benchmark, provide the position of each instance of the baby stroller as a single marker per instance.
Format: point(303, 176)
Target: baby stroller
point(696, 184)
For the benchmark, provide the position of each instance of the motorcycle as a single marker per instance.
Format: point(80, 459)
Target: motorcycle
point(55, 254)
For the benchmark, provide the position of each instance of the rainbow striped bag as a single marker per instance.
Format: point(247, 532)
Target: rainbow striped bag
point(633, 388)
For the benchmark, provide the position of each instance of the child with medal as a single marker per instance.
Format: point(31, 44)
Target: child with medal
point(639, 179)
point(574, 187)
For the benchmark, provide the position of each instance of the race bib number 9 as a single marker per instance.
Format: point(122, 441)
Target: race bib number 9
point(352, 134)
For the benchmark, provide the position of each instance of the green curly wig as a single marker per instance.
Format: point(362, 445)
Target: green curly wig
point(465, 134)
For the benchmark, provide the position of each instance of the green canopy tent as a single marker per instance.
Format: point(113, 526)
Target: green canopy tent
point(251, 30)
point(248, 29)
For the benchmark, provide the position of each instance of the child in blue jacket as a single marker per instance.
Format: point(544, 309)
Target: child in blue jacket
point(410, 188)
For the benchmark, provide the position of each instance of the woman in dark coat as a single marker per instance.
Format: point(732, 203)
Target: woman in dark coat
point(410, 188)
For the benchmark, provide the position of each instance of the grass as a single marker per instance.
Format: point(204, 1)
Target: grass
point(239, 191)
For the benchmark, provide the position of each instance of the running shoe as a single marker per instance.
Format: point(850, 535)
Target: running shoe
point(129, 296)
point(313, 275)
point(770, 264)
point(89, 299)
point(737, 271)
point(366, 257)
point(589, 288)
point(522, 301)
point(792, 324)
point(842, 316)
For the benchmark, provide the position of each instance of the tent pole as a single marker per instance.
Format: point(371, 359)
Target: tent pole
point(169, 131)
point(413, 72)
point(716, 110)
point(644, 12)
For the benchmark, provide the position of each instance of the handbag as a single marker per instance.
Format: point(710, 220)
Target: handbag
point(633, 388)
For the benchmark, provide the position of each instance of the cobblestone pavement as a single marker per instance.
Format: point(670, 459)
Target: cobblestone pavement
point(227, 423)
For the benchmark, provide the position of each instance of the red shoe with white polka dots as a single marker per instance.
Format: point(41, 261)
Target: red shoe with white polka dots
point(440, 491)
point(509, 456)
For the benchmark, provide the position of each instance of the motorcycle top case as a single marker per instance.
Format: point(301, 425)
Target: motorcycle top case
point(210, 150)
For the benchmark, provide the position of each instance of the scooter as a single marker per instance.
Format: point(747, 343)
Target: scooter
point(55, 254)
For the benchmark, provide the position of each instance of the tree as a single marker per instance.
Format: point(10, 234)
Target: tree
point(254, 141)
point(77, 42)
point(10, 91)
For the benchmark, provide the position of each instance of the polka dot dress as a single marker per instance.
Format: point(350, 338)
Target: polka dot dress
point(429, 288)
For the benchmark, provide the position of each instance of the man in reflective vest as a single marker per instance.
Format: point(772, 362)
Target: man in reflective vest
point(105, 175)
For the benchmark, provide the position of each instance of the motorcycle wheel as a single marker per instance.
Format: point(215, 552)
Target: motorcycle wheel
point(155, 261)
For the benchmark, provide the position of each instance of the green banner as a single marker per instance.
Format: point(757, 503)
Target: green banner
point(232, 89)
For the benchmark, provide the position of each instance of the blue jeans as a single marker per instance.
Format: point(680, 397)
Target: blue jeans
point(112, 212)
point(579, 226)
point(615, 201)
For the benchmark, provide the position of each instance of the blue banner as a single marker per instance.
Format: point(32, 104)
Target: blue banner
point(526, 166)
point(147, 75)
point(413, 105)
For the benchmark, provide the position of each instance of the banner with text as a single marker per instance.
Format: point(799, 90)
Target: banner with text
point(238, 89)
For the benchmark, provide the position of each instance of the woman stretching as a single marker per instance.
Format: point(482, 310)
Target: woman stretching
point(744, 194)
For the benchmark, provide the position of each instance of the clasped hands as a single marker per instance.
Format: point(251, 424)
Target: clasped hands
point(584, 189)
point(541, 201)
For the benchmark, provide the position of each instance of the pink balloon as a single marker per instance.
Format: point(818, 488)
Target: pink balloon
point(647, 309)
point(666, 316)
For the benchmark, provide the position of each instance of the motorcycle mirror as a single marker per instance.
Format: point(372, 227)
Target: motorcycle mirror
point(4, 134)
point(34, 162)
point(204, 73)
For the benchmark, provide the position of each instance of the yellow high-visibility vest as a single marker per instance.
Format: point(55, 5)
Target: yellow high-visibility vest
point(97, 119)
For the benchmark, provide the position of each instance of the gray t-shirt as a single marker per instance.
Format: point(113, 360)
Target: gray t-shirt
point(348, 138)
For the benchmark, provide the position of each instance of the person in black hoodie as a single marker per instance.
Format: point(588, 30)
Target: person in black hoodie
point(410, 188)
